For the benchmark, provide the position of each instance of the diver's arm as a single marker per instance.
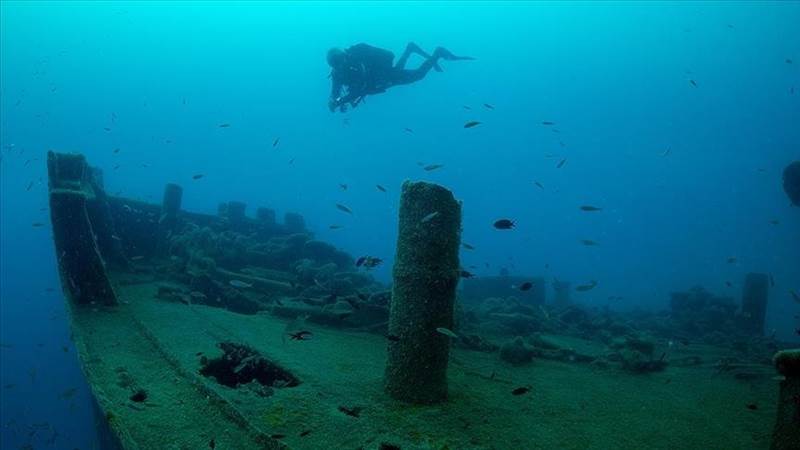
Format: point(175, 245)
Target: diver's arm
point(353, 98)
point(336, 89)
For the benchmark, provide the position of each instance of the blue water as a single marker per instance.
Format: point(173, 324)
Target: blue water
point(687, 175)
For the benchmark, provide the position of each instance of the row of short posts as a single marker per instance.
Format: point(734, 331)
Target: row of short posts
point(235, 213)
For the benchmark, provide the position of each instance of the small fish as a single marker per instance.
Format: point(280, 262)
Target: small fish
point(729, 284)
point(305, 433)
point(224, 125)
point(431, 167)
point(775, 222)
point(355, 411)
point(588, 242)
point(561, 164)
point(368, 262)
point(343, 208)
point(751, 406)
point(300, 335)
point(107, 129)
point(277, 436)
point(429, 217)
point(393, 338)
point(468, 108)
point(408, 130)
point(68, 394)
point(666, 152)
point(116, 150)
point(446, 332)
point(488, 106)
point(197, 176)
point(539, 185)
point(342, 186)
point(467, 246)
point(526, 286)
point(37, 224)
point(586, 287)
point(30, 185)
point(464, 274)
point(334, 227)
point(240, 284)
point(795, 295)
point(137, 258)
point(590, 208)
point(212, 444)
point(380, 188)
point(732, 260)
point(547, 123)
point(788, 61)
point(471, 123)
point(276, 142)
point(521, 390)
point(504, 224)
point(693, 83)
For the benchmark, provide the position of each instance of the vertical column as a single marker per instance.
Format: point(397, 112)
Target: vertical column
point(786, 434)
point(266, 216)
point(754, 302)
point(791, 182)
point(171, 203)
point(562, 299)
point(294, 223)
point(236, 212)
point(170, 206)
point(426, 272)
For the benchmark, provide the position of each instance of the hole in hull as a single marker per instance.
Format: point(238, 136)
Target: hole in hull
point(241, 364)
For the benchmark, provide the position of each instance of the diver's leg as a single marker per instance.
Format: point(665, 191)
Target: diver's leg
point(446, 54)
point(411, 48)
point(406, 76)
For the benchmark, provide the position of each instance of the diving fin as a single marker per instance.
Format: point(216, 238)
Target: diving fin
point(447, 55)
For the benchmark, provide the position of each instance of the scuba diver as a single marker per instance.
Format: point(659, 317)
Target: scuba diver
point(366, 70)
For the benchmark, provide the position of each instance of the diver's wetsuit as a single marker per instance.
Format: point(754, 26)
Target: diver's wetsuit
point(368, 70)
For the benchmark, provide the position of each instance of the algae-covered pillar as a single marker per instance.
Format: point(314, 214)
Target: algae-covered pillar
point(426, 273)
point(294, 223)
point(562, 299)
point(167, 222)
point(236, 215)
point(791, 182)
point(786, 434)
point(754, 302)
point(171, 203)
